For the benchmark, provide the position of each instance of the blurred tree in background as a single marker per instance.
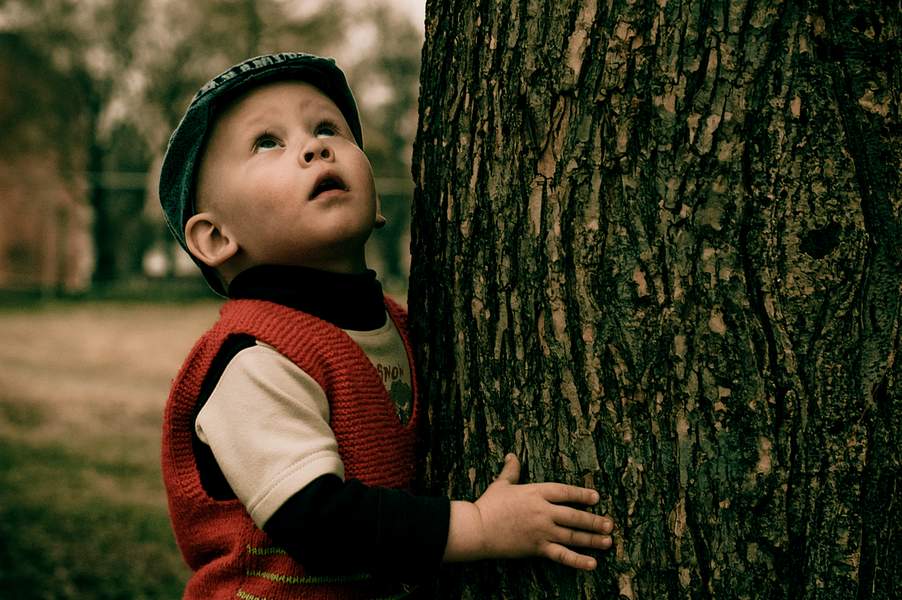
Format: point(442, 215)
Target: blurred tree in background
point(386, 82)
point(123, 71)
point(90, 44)
point(42, 174)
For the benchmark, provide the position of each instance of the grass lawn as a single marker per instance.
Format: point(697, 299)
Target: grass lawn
point(82, 506)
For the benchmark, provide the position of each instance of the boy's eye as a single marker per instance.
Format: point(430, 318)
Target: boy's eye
point(327, 128)
point(266, 142)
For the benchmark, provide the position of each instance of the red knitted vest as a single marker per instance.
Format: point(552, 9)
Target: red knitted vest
point(231, 557)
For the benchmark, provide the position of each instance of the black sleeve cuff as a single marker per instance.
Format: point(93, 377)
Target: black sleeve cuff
point(412, 534)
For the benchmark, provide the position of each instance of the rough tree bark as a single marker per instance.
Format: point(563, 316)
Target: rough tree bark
point(658, 251)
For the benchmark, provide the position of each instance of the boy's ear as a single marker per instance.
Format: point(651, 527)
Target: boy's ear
point(208, 240)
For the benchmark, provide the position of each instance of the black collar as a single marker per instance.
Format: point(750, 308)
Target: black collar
point(350, 301)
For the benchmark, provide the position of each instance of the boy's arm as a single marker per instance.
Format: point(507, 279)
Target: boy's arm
point(339, 527)
point(516, 521)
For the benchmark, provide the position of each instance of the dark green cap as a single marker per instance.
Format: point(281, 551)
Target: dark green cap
point(179, 171)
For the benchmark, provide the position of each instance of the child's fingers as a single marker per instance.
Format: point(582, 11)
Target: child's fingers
point(580, 519)
point(569, 558)
point(511, 470)
point(583, 539)
point(561, 493)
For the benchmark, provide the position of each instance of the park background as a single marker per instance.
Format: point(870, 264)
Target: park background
point(98, 306)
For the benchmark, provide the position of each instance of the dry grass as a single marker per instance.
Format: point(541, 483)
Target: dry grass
point(82, 388)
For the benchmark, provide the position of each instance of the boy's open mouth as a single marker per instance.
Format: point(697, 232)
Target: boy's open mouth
point(327, 182)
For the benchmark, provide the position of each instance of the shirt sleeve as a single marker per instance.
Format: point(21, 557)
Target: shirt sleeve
point(339, 527)
point(267, 424)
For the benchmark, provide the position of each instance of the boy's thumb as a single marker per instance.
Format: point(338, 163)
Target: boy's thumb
point(511, 471)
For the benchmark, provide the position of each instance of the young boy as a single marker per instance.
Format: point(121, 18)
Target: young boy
point(289, 433)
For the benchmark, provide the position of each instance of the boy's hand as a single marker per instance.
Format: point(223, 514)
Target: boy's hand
point(515, 521)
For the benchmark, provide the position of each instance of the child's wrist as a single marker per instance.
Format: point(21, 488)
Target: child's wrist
point(465, 533)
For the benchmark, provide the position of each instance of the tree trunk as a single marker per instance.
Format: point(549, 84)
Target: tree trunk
point(657, 250)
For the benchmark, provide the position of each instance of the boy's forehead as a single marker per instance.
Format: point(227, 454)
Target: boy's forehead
point(275, 98)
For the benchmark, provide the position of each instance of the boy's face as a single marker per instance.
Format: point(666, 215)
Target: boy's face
point(286, 180)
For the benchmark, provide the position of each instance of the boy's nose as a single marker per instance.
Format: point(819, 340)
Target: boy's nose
point(316, 150)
